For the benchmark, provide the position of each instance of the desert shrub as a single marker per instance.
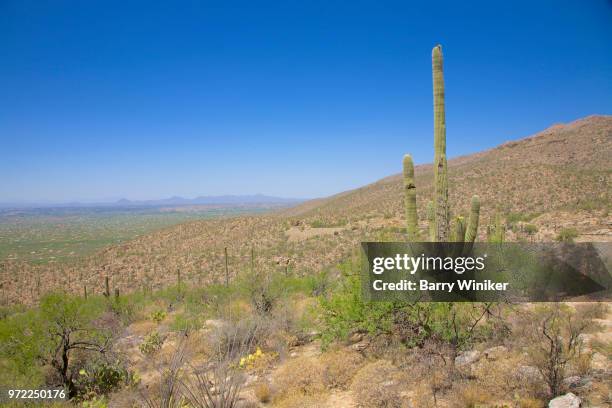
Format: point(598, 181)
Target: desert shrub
point(234, 340)
point(124, 307)
point(582, 363)
point(167, 393)
point(379, 384)
point(102, 378)
point(530, 229)
point(300, 401)
point(95, 402)
point(158, 316)
point(257, 361)
point(340, 367)
point(151, 344)
point(459, 324)
point(529, 402)
point(300, 376)
point(555, 341)
point(263, 393)
point(567, 235)
point(473, 396)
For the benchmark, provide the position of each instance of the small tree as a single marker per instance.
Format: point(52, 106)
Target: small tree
point(555, 341)
point(51, 334)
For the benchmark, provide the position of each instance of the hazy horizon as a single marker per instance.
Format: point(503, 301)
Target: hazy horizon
point(144, 102)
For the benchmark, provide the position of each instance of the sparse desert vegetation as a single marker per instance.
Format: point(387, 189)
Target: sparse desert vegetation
point(267, 310)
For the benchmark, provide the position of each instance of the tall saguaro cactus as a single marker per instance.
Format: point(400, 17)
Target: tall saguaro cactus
point(438, 211)
point(440, 165)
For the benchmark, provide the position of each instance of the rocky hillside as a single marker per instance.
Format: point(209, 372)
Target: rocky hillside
point(558, 178)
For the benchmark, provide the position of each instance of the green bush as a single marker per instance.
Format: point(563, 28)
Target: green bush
point(158, 316)
point(567, 235)
point(345, 312)
point(47, 335)
point(151, 344)
point(102, 378)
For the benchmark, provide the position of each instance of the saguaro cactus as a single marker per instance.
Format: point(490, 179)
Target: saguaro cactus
point(438, 211)
point(226, 268)
point(106, 287)
point(440, 165)
point(410, 199)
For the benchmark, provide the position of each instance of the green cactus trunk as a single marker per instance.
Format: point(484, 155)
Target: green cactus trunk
point(226, 268)
point(442, 213)
point(106, 287)
point(431, 218)
point(410, 199)
point(438, 210)
point(440, 166)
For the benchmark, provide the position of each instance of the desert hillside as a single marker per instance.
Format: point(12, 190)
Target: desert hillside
point(556, 179)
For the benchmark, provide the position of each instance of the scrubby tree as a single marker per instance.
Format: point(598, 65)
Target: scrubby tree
point(555, 341)
point(52, 334)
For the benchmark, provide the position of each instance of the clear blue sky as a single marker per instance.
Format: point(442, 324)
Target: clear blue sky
point(107, 99)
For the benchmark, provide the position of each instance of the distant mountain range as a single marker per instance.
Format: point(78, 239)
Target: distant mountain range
point(172, 201)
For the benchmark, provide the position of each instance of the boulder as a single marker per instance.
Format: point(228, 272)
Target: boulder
point(576, 381)
point(568, 400)
point(467, 358)
point(495, 353)
point(529, 373)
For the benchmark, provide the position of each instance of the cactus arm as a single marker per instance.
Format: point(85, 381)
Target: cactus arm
point(410, 199)
point(458, 234)
point(472, 228)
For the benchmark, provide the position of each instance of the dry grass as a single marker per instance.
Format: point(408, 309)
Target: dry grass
point(379, 384)
point(262, 391)
point(299, 376)
point(340, 367)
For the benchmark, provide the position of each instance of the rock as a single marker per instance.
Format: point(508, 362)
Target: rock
point(467, 358)
point(355, 338)
point(576, 381)
point(359, 347)
point(529, 373)
point(599, 362)
point(216, 323)
point(495, 353)
point(568, 400)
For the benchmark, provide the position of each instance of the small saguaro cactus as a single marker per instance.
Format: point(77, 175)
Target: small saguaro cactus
point(496, 232)
point(226, 268)
point(438, 211)
point(410, 201)
point(106, 287)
